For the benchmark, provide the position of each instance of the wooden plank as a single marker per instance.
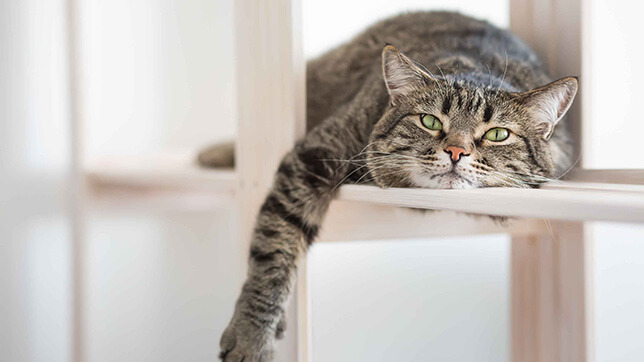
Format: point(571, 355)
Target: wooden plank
point(575, 247)
point(270, 88)
point(304, 327)
point(630, 177)
point(348, 221)
point(551, 286)
point(594, 186)
point(178, 170)
point(526, 339)
point(567, 200)
point(551, 318)
point(77, 184)
point(582, 24)
point(553, 28)
point(345, 220)
point(302, 298)
point(174, 171)
point(530, 203)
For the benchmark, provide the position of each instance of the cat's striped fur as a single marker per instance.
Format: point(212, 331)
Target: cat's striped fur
point(365, 128)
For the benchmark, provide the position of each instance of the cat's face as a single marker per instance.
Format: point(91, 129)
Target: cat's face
point(442, 133)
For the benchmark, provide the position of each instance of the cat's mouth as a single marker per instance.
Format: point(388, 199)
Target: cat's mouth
point(453, 180)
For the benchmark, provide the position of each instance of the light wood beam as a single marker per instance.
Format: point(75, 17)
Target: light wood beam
point(551, 279)
point(551, 286)
point(270, 88)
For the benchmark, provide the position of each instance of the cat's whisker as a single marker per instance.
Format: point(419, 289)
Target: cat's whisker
point(397, 165)
point(351, 162)
point(521, 178)
point(501, 176)
point(322, 179)
point(376, 165)
point(520, 174)
point(400, 171)
point(347, 176)
point(362, 152)
point(540, 179)
point(506, 182)
point(489, 85)
point(505, 71)
point(400, 157)
point(359, 154)
point(367, 146)
point(569, 168)
point(445, 78)
point(433, 77)
point(397, 155)
point(370, 173)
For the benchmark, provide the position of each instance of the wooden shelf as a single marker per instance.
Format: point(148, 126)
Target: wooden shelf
point(173, 178)
point(551, 202)
point(168, 182)
point(173, 172)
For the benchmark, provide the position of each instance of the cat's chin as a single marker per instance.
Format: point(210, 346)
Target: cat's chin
point(445, 181)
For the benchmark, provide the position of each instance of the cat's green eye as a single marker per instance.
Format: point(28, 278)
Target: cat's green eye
point(431, 122)
point(497, 134)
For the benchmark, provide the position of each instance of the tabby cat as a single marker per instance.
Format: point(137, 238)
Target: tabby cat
point(466, 105)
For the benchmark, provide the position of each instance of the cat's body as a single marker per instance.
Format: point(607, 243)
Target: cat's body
point(474, 117)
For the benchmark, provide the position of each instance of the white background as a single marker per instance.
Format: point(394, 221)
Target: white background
point(159, 77)
point(616, 85)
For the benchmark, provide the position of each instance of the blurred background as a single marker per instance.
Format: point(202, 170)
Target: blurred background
point(158, 77)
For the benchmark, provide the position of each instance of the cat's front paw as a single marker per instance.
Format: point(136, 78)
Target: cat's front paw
point(244, 341)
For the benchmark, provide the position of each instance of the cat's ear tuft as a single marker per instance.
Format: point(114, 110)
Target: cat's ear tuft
point(549, 103)
point(401, 73)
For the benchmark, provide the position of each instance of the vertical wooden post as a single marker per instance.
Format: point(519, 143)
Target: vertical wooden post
point(552, 274)
point(533, 320)
point(575, 248)
point(551, 287)
point(555, 30)
point(77, 186)
point(271, 94)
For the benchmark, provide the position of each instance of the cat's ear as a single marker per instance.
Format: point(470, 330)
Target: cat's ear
point(401, 73)
point(548, 104)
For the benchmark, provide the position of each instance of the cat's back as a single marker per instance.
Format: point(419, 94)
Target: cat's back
point(429, 37)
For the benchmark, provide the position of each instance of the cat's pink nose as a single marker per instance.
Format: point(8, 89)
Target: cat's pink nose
point(456, 152)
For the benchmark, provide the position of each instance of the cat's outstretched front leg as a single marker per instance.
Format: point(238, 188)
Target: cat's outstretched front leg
point(288, 222)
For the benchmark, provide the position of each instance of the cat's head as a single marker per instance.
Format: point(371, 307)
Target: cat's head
point(440, 132)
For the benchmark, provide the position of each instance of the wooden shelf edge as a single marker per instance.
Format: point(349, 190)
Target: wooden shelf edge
point(208, 180)
point(178, 173)
point(349, 221)
point(553, 203)
point(172, 178)
point(621, 176)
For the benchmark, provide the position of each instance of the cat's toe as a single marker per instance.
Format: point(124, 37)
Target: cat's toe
point(239, 355)
point(281, 327)
point(231, 356)
point(243, 343)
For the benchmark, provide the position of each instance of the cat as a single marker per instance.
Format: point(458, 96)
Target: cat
point(425, 99)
